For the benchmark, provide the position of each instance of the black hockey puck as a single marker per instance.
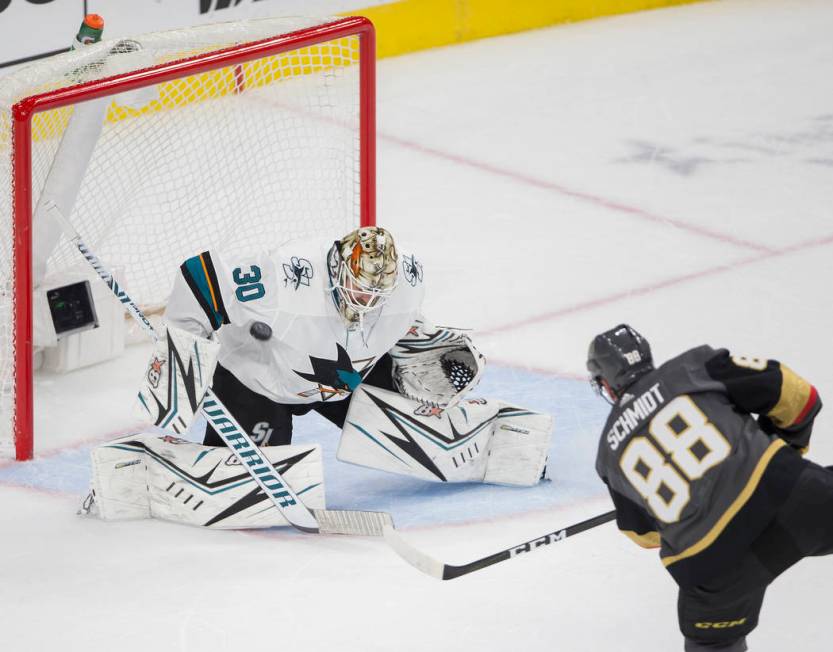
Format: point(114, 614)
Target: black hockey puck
point(260, 331)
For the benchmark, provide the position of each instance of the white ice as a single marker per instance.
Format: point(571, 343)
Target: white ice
point(672, 169)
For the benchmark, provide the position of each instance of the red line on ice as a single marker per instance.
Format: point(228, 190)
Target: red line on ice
point(660, 285)
point(576, 194)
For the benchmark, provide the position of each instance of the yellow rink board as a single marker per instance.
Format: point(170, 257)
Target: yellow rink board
point(412, 25)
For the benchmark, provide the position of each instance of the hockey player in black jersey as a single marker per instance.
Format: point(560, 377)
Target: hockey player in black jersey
point(703, 459)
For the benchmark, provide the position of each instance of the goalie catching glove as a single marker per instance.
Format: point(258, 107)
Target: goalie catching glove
point(436, 365)
point(178, 375)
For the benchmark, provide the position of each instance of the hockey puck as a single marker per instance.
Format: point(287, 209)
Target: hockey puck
point(260, 331)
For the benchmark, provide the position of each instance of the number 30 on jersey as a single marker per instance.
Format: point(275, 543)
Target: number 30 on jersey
point(684, 436)
point(249, 287)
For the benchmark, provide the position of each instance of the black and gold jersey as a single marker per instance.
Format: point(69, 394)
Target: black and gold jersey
point(700, 453)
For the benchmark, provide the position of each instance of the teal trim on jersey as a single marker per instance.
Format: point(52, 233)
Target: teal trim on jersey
point(377, 442)
point(195, 269)
point(350, 378)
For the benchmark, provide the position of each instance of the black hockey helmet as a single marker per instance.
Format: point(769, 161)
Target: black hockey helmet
point(619, 356)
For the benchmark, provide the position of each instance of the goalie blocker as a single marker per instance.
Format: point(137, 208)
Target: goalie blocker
point(178, 375)
point(477, 440)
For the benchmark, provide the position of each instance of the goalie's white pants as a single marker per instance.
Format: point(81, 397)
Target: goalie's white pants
point(158, 476)
point(477, 440)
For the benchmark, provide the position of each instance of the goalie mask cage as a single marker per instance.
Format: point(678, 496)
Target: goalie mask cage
point(235, 136)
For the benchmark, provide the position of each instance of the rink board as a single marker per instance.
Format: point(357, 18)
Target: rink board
point(413, 25)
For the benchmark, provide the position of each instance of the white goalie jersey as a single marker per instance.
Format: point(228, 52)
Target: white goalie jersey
point(279, 330)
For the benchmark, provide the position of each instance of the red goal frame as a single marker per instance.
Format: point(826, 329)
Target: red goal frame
point(24, 111)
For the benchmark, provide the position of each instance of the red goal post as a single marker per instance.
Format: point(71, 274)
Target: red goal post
point(293, 170)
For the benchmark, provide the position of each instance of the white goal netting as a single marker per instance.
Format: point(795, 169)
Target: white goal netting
point(237, 158)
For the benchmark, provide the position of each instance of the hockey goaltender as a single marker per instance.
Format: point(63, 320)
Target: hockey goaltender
point(334, 327)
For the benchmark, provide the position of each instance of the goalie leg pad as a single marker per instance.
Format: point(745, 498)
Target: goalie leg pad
point(119, 483)
point(387, 431)
point(178, 375)
point(520, 445)
point(149, 475)
point(478, 440)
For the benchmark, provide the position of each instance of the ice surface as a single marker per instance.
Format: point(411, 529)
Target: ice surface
point(673, 169)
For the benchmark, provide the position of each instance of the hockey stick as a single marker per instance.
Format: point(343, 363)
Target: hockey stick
point(235, 437)
point(441, 571)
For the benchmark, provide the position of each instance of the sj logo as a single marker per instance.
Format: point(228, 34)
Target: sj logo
point(261, 432)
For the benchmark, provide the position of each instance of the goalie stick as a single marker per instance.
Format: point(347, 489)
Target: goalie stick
point(235, 437)
point(441, 571)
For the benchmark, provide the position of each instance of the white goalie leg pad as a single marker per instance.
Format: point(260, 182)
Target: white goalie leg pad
point(119, 483)
point(178, 375)
point(520, 445)
point(155, 476)
point(477, 440)
point(436, 365)
point(387, 431)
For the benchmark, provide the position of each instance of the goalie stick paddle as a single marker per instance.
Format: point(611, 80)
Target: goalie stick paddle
point(236, 438)
point(441, 571)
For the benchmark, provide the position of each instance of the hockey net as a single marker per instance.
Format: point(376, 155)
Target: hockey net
point(236, 136)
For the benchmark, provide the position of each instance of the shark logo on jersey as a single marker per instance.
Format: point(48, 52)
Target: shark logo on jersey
point(334, 377)
point(412, 269)
point(297, 273)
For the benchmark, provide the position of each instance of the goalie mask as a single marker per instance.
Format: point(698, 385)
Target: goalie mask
point(362, 267)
